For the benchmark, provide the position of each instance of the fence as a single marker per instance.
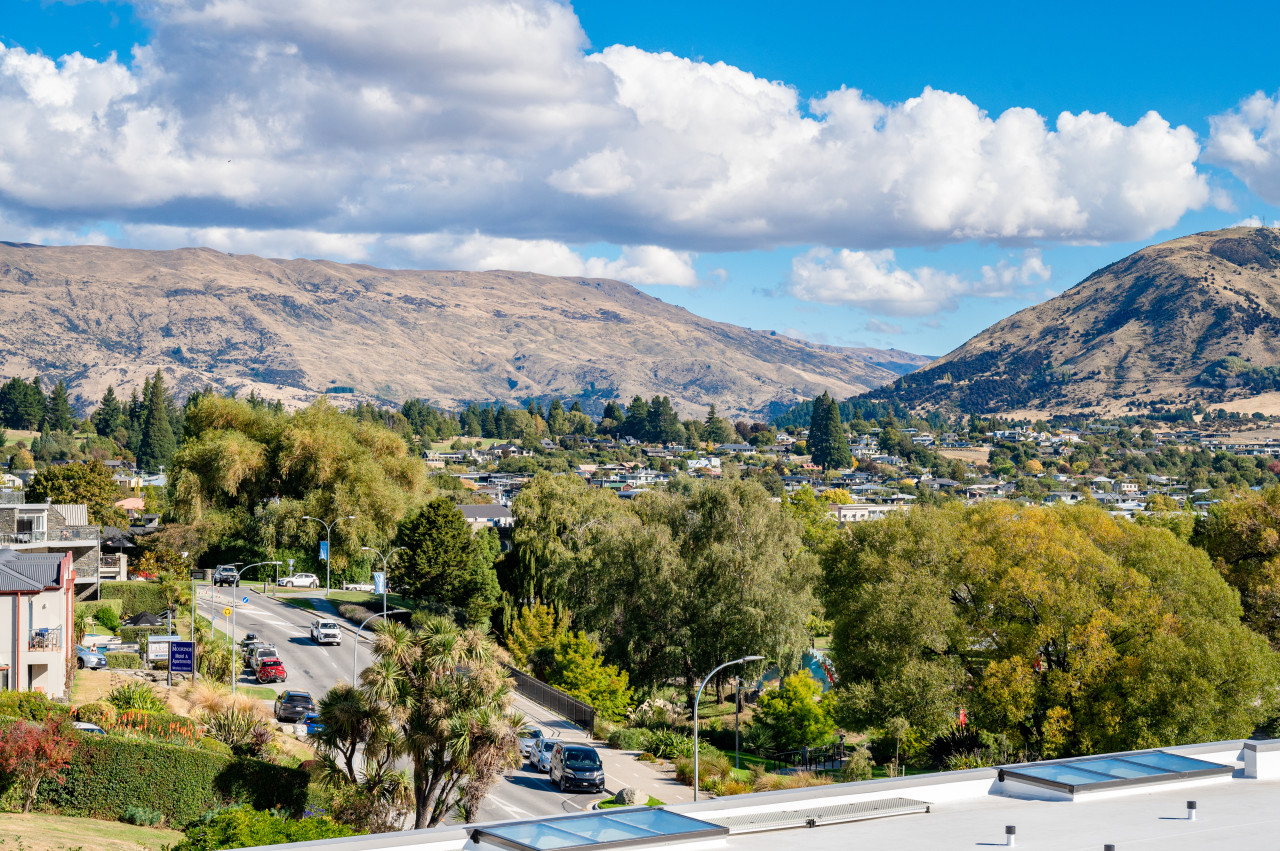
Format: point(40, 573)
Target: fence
point(554, 699)
point(829, 757)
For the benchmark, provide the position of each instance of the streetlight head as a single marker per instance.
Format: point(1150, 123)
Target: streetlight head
point(366, 549)
point(751, 659)
point(351, 517)
point(307, 517)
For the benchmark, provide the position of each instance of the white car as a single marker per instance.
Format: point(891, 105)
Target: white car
point(299, 580)
point(326, 632)
point(541, 756)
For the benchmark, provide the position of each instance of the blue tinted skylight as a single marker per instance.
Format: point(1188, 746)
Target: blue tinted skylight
point(1098, 772)
point(599, 829)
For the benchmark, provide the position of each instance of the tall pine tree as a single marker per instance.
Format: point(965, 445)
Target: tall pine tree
point(717, 428)
point(557, 423)
point(57, 411)
point(817, 441)
point(834, 441)
point(110, 414)
point(637, 424)
point(157, 447)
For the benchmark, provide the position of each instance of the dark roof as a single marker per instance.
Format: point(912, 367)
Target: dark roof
point(485, 512)
point(29, 572)
point(143, 619)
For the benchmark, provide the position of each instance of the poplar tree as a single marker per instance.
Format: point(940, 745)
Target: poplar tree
point(834, 442)
point(818, 433)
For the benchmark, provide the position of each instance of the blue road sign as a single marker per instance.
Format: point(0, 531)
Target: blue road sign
point(244, 599)
point(182, 657)
point(324, 550)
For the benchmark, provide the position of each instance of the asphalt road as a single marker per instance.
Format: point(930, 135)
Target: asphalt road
point(521, 793)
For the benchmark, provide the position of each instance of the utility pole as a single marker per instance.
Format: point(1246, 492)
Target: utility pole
point(328, 545)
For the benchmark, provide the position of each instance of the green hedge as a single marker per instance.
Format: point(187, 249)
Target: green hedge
point(91, 606)
point(123, 659)
point(135, 596)
point(138, 634)
point(109, 774)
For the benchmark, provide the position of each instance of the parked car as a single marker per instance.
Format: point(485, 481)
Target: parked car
point(299, 580)
point(576, 767)
point(260, 653)
point(358, 586)
point(86, 727)
point(271, 670)
point(326, 632)
point(225, 576)
point(541, 756)
point(294, 706)
point(91, 659)
point(249, 638)
point(530, 737)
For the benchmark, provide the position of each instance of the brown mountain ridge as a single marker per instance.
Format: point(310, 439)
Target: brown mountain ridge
point(1194, 319)
point(292, 329)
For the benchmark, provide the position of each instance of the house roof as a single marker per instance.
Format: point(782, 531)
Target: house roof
point(486, 512)
point(29, 572)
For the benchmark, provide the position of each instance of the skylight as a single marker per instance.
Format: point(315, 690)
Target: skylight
point(1090, 773)
point(599, 830)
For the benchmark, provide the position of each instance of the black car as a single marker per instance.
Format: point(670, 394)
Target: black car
point(576, 767)
point(294, 706)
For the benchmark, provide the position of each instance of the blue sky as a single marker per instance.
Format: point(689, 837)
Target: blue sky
point(694, 150)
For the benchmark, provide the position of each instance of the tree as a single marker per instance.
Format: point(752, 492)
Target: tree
point(835, 445)
point(1242, 536)
point(110, 416)
point(157, 447)
point(22, 460)
point(578, 670)
point(22, 404)
point(242, 826)
point(444, 562)
point(819, 451)
point(535, 627)
point(32, 753)
point(448, 695)
point(72, 484)
point(1063, 629)
point(663, 424)
point(557, 423)
point(793, 715)
point(57, 411)
point(637, 422)
point(716, 429)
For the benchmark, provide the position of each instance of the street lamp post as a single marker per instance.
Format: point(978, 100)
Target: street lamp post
point(355, 643)
point(234, 672)
point(696, 700)
point(384, 571)
point(328, 545)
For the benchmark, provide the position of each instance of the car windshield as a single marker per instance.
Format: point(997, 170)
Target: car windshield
point(548, 746)
point(581, 759)
point(298, 699)
point(531, 733)
point(328, 625)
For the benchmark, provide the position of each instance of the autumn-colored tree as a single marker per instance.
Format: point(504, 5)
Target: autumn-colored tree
point(1242, 536)
point(73, 484)
point(535, 627)
point(31, 753)
point(1067, 630)
point(578, 670)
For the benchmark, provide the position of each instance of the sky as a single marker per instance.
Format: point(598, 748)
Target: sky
point(887, 175)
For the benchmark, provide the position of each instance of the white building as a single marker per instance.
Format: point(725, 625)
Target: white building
point(37, 603)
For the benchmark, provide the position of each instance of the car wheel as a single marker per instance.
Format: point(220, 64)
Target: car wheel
point(79, 663)
point(560, 783)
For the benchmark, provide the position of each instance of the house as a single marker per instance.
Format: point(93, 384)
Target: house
point(43, 527)
point(488, 516)
point(860, 512)
point(37, 602)
point(509, 450)
point(745, 448)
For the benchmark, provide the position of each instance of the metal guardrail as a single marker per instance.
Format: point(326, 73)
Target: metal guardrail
point(44, 639)
point(552, 698)
point(41, 536)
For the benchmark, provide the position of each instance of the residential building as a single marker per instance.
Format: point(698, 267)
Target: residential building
point(861, 511)
point(37, 602)
point(42, 527)
point(488, 516)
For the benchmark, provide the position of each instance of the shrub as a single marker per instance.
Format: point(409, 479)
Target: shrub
point(142, 816)
point(108, 774)
point(668, 744)
point(102, 714)
point(245, 732)
point(355, 613)
point(628, 739)
point(711, 766)
point(108, 617)
point(158, 725)
point(31, 754)
point(136, 597)
point(30, 705)
point(135, 696)
point(213, 745)
point(240, 827)
point(857, 765)
point(90, 607)
point(123, 659)
point(777, 782)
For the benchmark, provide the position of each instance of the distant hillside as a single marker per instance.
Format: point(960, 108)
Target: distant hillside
point(291, 329)
point(1195, 319)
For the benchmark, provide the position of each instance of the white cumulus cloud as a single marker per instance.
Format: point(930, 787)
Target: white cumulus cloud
point(251, 120)
point(873, 281)
point(1246, 140)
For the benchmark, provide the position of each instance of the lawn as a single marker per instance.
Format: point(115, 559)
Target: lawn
point(370, 600)
point(609, 803)
point(39, 832)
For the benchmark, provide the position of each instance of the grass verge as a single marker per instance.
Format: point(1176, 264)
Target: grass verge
point(40, 832)
point(609, 803)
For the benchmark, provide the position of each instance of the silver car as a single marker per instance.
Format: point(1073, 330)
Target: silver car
point(529, 739)
point(541, 758)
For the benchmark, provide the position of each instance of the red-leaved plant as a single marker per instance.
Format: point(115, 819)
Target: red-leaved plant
point(30, 753)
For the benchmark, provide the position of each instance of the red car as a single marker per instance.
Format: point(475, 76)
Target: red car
point(271, 670)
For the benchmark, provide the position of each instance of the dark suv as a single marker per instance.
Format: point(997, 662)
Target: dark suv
point(576, 767)
point(294, 706)
point(225, 576)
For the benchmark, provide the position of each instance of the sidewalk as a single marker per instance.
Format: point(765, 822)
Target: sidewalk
point(621, 768)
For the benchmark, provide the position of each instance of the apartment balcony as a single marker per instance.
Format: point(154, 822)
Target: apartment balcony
point(74, 536)
point(44, 638)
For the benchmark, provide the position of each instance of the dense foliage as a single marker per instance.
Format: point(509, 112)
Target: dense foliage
point(245, 827)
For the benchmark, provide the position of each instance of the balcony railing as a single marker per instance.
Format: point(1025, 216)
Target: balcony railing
point(76, 534)
point(45, 638)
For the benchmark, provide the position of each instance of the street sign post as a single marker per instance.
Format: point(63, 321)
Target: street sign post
point(226, 612)
point(244, 599)
point(182, 658)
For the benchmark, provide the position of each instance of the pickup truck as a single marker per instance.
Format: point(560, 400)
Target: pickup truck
point(225, 576)
point(326, 632)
